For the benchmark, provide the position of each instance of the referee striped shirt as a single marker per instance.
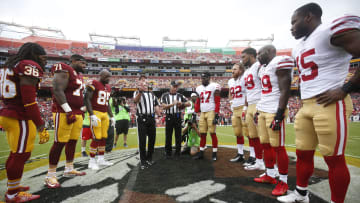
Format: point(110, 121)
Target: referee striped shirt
point(146, 104)
point(168, 98)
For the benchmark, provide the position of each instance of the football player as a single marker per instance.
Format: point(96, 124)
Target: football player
point(253, 94)
point(323, 56)
point(237, 99)
point(275, 74)
point(67, 114)
point(97, 103)
point(209, 104)
point(20, 115)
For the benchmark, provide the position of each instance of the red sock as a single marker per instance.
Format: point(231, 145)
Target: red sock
point(339, 177)
point(70, 150)
point(239, 139)
point(269, 157)
point(55, 152)
point(14, 170)
point(304, 167)
point(251, 144)
point(282, 160)
point(202, 140)
point(215, 140)
point(258, 148)
point(93, 147)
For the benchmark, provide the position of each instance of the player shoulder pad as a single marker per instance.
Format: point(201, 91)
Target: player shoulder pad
point(285, 62)
point(61, 68)
point(29, 68)
point(94, 84)
point(344, 23)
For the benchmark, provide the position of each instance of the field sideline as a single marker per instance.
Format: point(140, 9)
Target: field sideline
point(225, 135)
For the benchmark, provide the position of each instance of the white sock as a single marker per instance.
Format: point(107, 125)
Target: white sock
point(271, 172)
point(283, 178)
point(100, 157)
point(83, 149)
point(240, 148)
point(214, 149)
point(92, 159)
point(252, 152)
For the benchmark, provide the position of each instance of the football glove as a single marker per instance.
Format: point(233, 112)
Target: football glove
point(94, 120)
point(256, 118)
point(70, 117)
point(43, 136)
point(279, 117)
point(216, 119)
point(112, 121)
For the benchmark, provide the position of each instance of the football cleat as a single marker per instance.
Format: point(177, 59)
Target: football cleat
point(294, 197)
point(52, 182)
point(73, 173)
point(93, 165)
point(103, 162)
point(265, 179)
point(22, 197)
point(237, 158)
point(250, 161)
point(150, 162)
point(143, 166)
point(280, 189)
point(256, 166)
point(214, 156)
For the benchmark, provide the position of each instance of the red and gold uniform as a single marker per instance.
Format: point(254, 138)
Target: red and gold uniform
point(100, 102)
point(74, 97)
point(19, 117)
point(21, 130)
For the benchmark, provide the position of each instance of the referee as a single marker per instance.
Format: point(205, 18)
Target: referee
point(146, 106)
point(173, 102)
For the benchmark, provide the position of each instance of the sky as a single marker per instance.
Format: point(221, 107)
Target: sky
point(216, 21)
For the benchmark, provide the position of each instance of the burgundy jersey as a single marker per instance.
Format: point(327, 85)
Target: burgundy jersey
point(10, 92)
point(101, 96)
point(74, 90)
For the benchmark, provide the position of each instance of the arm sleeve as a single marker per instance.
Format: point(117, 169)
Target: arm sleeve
point(217, 104)
point(197, 105)
point(285, 63)
point(345, 23)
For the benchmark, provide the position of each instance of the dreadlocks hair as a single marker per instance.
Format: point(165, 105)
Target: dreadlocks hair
point(28, 51)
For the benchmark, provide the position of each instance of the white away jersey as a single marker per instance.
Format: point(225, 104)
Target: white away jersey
point(206, 96)
point(323, 66)
point(253, 84)
point(270, 92)
point(237, 91)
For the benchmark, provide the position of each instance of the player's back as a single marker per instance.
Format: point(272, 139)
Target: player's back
point(74, 90)
point(10, 87)
point(101, 96)
point(323, 66)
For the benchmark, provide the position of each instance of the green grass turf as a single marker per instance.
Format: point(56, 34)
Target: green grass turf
point(225, 136)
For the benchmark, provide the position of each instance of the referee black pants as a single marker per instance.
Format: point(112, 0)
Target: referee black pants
point(173, 122)
point(146, 127)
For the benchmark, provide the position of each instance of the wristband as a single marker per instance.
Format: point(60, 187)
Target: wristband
point(244, 108)
point(66, 107)
point(349, 87)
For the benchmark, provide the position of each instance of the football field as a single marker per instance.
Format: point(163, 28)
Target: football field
point(40, 153)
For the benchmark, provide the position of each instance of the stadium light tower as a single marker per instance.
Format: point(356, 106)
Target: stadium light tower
point(256, 42)
point(114, 40)
point(14, 30)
